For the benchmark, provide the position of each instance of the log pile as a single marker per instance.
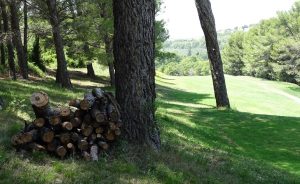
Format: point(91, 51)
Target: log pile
point(86, 127)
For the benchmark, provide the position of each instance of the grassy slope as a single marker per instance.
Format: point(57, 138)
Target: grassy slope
point(255, 143)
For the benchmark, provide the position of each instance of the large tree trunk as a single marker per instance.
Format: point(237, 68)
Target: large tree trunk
point(25, 31)
point(208, 25)
point(90, 70)
point(17, 39)
point(62, 75)
point(135, 71)
point(9, 44)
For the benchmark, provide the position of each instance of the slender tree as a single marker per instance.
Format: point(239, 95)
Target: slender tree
point(8, 38)
point(62, 75)
point(2, 49)
point(17, 39)
point(134, 45)
point(25, 37)
point(208, 25)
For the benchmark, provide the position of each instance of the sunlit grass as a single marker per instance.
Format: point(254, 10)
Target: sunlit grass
point(256, 142)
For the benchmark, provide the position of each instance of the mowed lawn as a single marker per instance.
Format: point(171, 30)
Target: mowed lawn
point(258, 141)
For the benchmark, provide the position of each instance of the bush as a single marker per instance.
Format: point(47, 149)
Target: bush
point(35, 70)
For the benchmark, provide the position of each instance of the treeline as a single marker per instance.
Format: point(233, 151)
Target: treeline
point(188, 57)
point(195, 47)
point(269, 50)
point(40, 34)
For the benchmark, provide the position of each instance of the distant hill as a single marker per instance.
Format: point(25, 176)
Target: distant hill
point(196, 47)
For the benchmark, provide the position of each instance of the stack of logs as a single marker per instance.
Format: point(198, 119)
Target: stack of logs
point(86, 127)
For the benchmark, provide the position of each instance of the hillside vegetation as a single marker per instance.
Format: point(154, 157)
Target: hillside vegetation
point(254, 143)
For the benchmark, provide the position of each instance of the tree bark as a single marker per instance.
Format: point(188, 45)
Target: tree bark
point(2, 49)
point(134, 44)
point(62, 75)
point(9, 44)
point(208, 25)
point(17, 39)
point(110, 58)
point(90, 70)
point(25, 31)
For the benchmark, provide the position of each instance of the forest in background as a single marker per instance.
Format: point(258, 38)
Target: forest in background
point(269, 50)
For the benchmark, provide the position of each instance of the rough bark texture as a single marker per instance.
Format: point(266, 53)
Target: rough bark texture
point(110, 58)
point(135, 70)
point(62, 75)
point(9, 44)
point(208, 25)
point(2, 49)
point(90, 70)
point(25, 31)
point(17, 39)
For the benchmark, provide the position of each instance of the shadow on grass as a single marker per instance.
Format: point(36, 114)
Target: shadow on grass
point(267, 138)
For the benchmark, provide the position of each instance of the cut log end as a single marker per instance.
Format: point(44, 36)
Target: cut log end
point(39, 99)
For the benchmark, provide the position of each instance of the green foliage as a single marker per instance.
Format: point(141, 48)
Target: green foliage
point(233, 54)
point(188, 66)
point(269, 50)
point(35, 56)
point(35, 70)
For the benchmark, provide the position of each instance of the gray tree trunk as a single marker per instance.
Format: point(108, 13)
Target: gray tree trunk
point(25, 31)
point(134, 43)
point(208, 25)
point(62, 75)
point(2, 49)
point(9, 44)
point(17, 39)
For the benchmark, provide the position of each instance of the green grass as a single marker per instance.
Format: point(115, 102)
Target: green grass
point(256, 142)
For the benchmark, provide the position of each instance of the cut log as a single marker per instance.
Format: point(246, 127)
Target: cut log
point(97, 115)
point(61, 151)
point(117, 132)
point(36, 147)
point(103, 145)
point(65, 138)
point(112, 126)
point(113, 113)
point(29, 136)
point(94, 152)
point(87, 130)
point(110, 136)
point(47, 135)
point(87, 102)
point(86, 156)
point(67, 125)
point(99, 130)
point(39, 122)
point(87, 119)
point(83, 145)
point(39, 100)
point(53, 145)
point(79, 113)
point(75, 137)
point(76, 122)
point(75, 103)
point(98, 93)
point(65, 113)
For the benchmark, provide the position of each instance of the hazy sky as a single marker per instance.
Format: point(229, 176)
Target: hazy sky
point(183, 23)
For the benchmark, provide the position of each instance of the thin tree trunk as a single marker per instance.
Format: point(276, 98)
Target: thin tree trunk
point(25, 31)
point(90, 70)
point(135, 71)
point(9, 44)
point(17, 39)
point(208, 25)
point(2, 49)
point(62, 75)
point(110, 58)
